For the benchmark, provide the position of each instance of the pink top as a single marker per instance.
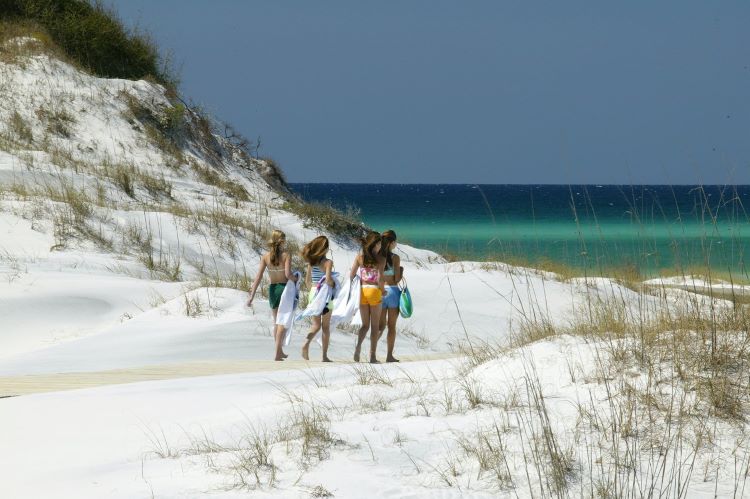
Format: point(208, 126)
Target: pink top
point(369, 274)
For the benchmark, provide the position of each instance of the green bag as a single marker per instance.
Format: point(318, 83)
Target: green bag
point(405, 306)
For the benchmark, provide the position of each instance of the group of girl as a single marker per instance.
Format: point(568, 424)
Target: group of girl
point(379, 271)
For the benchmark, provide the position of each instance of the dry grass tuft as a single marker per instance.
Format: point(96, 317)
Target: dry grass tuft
point(211, 176)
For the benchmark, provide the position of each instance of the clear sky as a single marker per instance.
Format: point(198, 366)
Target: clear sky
point(472, 92)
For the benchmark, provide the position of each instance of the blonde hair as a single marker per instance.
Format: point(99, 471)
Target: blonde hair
point(369, 256)
point(275, 243)
point(315, 250)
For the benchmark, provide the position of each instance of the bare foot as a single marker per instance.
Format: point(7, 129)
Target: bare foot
point(306, 351)
point(374, 360)
point(279, 359)
point(285, 355)
point(356, 353)
point(391, 358)
point(326, 359)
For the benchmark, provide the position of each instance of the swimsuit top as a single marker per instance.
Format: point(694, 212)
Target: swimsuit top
point(317, 273)
point(275, 274)
point(389, 270)
point(274, 269)
point(369, 274)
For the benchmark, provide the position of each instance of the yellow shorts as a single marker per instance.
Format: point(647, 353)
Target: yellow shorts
point(370, 295)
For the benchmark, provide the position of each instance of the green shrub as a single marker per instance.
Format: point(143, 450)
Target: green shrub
point(173, 120)
point(327, 218)
point(91, 35)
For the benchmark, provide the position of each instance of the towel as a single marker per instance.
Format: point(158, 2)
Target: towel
point(346, 305)
point(322, 296)
point(287, 305)
point(340, 302)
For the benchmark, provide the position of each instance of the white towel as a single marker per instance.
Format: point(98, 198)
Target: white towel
point(346, 305)
point(287, 305)
point(322, 296)
point(341, 300)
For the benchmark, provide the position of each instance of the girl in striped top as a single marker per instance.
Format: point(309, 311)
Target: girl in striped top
point(318, 268)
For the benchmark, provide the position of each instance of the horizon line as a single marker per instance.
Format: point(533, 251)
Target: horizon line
point(522, 184)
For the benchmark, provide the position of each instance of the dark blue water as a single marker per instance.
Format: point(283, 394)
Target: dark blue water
point(647, 227)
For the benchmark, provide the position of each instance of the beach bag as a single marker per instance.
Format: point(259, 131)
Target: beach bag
point(405, 306)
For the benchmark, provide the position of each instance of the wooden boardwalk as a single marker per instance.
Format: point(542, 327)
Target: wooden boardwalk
point(11, 386)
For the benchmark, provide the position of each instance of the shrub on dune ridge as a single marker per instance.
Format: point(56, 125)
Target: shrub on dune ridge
point(326, 217)
point(91, 35)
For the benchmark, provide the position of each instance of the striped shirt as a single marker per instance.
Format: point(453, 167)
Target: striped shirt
point(317, 274)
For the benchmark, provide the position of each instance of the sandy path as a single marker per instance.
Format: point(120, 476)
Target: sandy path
point(40, 383)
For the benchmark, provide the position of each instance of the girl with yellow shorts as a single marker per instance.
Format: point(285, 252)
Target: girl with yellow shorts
point(369, 264)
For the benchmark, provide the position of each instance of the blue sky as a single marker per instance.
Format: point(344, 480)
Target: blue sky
point(472, 92)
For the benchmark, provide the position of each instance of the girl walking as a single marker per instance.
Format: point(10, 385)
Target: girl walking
point(391, 277)
point(279, 266)
point(370, 265)
point(318, 267)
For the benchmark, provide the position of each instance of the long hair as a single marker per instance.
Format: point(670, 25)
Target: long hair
point(387, 238)
point(314, 251)
point(369, 257)
point(277, 240)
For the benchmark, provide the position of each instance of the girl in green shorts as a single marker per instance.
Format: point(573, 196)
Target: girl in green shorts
point(279, 266)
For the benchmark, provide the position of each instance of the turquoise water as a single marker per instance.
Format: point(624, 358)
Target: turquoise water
point(649, 228)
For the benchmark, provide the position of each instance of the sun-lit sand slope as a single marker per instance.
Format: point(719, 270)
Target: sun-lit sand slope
point(123, 260)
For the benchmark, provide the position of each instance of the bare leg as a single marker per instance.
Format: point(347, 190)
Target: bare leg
point(278, 336)
point(392, 317)
point(381, 328)
point(326, 335)
point(364, 312)
point(374, 332)
point(310, 336)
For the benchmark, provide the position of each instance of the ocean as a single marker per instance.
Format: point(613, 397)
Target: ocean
point(648, 228)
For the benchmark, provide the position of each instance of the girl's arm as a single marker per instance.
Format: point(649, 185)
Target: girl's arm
point(288, 267)
point(256, 282)
point(355, 266)
point(329, 268)
point(397, 269)
point(381, 277)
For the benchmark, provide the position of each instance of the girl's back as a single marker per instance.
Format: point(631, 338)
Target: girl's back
point(276, 273)
point(318, 271)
